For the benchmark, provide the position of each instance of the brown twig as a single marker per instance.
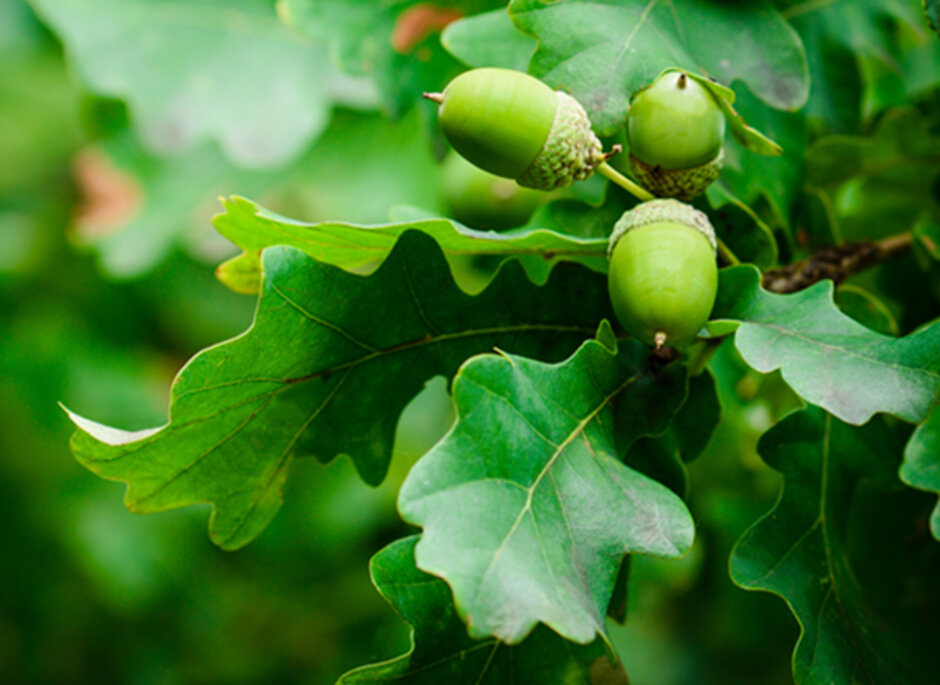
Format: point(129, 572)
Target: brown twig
point(836, 262)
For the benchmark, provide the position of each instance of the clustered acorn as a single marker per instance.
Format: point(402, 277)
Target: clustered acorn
point(663, 274)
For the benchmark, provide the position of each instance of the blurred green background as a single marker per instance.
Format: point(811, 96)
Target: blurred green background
point(106, 287)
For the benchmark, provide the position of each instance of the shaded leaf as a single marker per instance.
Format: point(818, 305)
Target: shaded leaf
point(932, 10)
point(840, 586)
point(826, 357)
point(526, 509)
point(921, 466)
point(879, 184)
point(352, 246)
point(751, 177)
point(663, 458)
point(442, 652)
point(489, 40)
point(865, 308)
point(739, 226)
point(326, 368)
point(184, 71)
point(602, 52)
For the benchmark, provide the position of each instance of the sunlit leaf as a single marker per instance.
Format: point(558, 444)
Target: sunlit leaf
point(526, 509)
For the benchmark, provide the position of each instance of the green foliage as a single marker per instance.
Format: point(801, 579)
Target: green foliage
point(172, 63)
point(921, 467)
point(804, 551)
point(443, 652)
point(262, 393)
point(826, 357)
point(534, 528)
point(559, 473)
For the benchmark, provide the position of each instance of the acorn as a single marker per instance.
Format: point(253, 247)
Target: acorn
point(479, 199)
point(676, 129)
point(513, 125)
point(663, 275)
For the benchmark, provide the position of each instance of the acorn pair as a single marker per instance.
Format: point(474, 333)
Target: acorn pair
point(663, 273)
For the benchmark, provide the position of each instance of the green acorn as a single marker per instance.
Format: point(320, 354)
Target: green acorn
point(663, 275)
point(513, 125)
point(676, 129)
point(483, 200)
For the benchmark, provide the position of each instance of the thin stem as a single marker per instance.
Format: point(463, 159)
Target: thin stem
point(726, 254)
point(637, 191)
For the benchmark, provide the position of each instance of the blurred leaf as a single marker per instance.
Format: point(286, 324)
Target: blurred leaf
point(354, 247)
point(865, 308)
point(362, 166)
point(932, 10)
point(198, 70)
point(395, 44)
point(928, 235)
point(881, 184)
point(442, 652)
point(20, 33)
point(836, 36)
point(801, 551)
point(663, 458)
point(39, 124)
point(601, 52)
point(921, 466)
point(526, 509)
point(172, 197)
point(489, 40)
point(325, 369)
point(826, 357)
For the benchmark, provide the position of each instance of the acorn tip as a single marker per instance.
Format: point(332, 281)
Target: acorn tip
point(659, 339)
point(434, 97)
point(683, 79)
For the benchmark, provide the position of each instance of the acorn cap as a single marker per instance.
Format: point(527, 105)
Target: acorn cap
point(570, 152)
point(684, 184)
point(662, 211)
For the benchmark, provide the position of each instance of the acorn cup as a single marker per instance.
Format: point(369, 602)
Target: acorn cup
point(676, 129)
point(513, 125)
point(663, 275)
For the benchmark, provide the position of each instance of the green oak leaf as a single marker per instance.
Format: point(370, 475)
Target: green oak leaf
point(602, 51)
point(395, 44)
point(921, 466)
point(192, 70)
point(357, 247)
point(840, 479)
point(442, 652)
point(526, 509)
point(326, 368)
point(489, 40)
point(664, 457)
point(826, 357)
